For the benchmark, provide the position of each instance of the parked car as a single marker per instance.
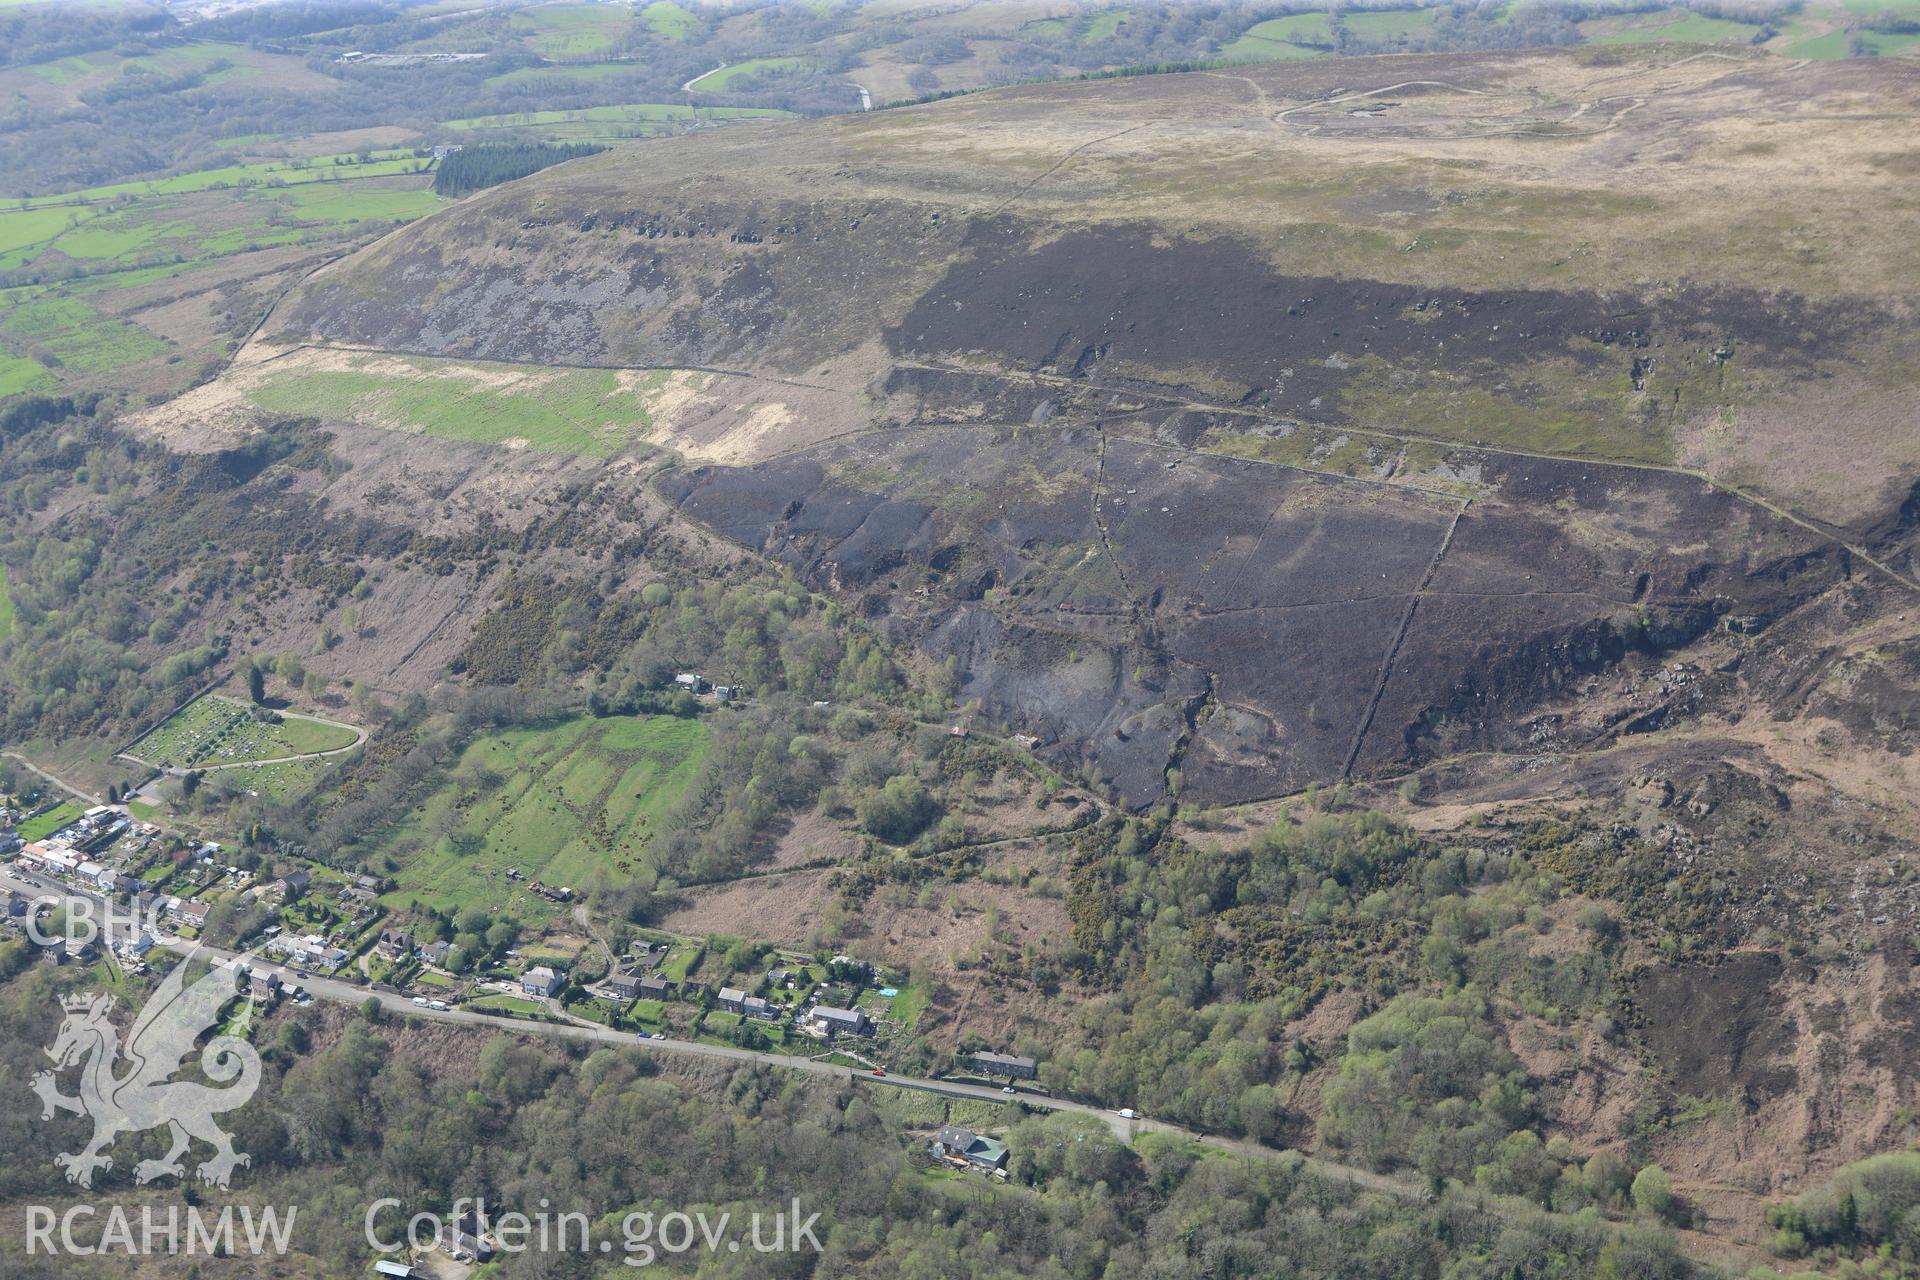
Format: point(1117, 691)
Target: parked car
point(421, 1001)
point(878, 1071)
point(1007, 1088)
point(1125, 1113)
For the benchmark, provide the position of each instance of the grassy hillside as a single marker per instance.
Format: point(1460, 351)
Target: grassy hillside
point(573, 31)
point(668, 20)
point(560, 804)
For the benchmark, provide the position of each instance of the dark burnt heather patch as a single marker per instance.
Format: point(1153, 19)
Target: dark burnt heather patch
point(1119, 306)
point(1138, 606)
point(590, 274)
point(1123, 707)
point(1719, 1028)
point(1562, 572)
point(1875, 695)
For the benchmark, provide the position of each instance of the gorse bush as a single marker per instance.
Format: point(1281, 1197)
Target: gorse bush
point(1874, 1204)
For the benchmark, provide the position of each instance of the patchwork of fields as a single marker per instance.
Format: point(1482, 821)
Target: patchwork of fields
point(1818, 32)
point(557, 804)
point(94, 307)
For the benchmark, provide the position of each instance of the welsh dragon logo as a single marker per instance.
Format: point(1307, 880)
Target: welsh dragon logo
point(136, 1092)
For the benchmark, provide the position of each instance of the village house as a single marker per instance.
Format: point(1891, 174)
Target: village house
point(394, 945)
point(50, 859)
point(435, 953)
point(312, 951)
point(840, 1021)
point(263, 986)
point(180, 911)
point(651, 988)
point(289, 886)
point(464, 1241)
point(1005, 1064)
point(623, 986)
point(732, 999)
point(541, 981)
point(109, 880)
point(964, 1146)
point(755, 1007)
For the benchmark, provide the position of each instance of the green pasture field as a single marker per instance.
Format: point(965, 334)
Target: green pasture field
point(1684, 26)
point(719, 81)
point(555, 803)
point(586, 412)
point(337, 168)
point(1311, 35)
point(573, 30)
point(590, 74)
point(79, 337)
point(668, 20)
point(49, 822)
